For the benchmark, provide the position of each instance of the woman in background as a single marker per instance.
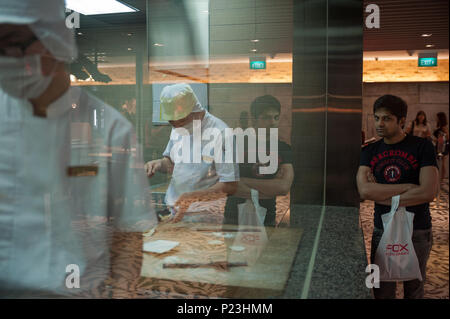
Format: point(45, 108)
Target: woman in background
point(441, 141)
point(419, 127)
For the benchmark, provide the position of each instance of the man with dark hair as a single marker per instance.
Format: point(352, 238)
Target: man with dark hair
point(262, 103)
point(394, 104)
point(405, 165)
point(265, 112)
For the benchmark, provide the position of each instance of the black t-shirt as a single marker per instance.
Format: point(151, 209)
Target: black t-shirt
point(251, 170)
point(400, 163)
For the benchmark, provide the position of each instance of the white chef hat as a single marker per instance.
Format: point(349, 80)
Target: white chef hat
point(46, 19)
point(178, 101)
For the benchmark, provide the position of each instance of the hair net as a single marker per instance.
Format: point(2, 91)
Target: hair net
point(46, 19)
point(178, 101)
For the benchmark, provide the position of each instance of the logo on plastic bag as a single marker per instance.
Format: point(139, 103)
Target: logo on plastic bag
point(396, 249)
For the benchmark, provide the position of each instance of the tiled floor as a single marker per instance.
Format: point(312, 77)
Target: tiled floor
point(437, 284)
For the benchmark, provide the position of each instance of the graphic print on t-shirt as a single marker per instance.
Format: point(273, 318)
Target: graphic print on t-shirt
point(400, 163)
point(392, 165)
point(392, 173)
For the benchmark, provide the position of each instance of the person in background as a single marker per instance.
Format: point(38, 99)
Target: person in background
point(191, 182)
point(265, 111)
point(405, 165)
point(440, 136)
point(52, 175)
point(419, 126)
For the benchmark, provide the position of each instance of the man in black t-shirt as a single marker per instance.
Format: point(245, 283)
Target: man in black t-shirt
point(399, 164)
point(265, 111)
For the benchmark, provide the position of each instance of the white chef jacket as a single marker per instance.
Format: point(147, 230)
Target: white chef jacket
point(70, 167)
point(189, 177)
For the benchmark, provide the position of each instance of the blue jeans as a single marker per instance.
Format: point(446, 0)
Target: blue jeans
point(413, 289)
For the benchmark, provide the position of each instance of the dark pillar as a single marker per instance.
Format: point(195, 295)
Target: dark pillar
point(326, 106)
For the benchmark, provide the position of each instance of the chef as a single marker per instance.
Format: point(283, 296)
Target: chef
point(62, 171)
point(192, 180)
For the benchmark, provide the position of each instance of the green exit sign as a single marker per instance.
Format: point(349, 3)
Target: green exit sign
point(427, 61)
point(257, 63)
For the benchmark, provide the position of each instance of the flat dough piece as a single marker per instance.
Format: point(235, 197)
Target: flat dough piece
point(215, 242)
point(159, 246)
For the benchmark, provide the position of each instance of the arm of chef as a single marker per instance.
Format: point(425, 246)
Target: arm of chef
point(129, 197)
point(227, 184)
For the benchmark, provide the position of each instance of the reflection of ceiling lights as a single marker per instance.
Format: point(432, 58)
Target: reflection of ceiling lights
point(426, 35)
point(158, 44)
point(430, 45)
point(255, 40)
point(89, 7)
point(254, 50)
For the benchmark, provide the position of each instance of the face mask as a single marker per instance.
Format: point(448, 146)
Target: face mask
point(22, 77)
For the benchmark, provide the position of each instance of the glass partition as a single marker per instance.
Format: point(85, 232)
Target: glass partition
point(236, 107)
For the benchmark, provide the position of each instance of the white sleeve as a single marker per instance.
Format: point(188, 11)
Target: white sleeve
point(227, 172)
point(169, 146)
point(129, 197)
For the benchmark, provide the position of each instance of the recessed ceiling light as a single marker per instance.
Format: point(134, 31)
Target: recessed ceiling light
point(254, 50)
point(158, 44)
point(430, 45)
point(89, 7)
point(80, 33)
point(130, 49)
point(426, 35)
point(254, 40)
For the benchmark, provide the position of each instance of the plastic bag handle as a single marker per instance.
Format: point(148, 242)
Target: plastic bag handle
point(255, 197)
point(395, 202)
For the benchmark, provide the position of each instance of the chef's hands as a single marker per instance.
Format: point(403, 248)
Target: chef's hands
point(152, 167)
point(182, 205)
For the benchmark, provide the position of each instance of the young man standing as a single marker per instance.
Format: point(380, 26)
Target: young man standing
point(405, 165)
point(265, 112)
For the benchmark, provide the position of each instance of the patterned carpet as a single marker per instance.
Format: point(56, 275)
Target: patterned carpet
point(437, 283)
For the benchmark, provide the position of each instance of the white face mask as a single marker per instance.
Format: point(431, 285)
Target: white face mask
point(22, 77)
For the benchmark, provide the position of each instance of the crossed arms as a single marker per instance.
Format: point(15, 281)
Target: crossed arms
point(267, 188)
point(411, 194)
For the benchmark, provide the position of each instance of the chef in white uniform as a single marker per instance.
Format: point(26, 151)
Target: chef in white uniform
point(192, 180)
point(66, 162)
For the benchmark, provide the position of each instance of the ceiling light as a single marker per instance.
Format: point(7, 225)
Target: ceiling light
point(254, 40)
point(426, 35)
point(129, 49)
point(158, 44)
point(254, 50)
point(430, 45)
point(89, 7)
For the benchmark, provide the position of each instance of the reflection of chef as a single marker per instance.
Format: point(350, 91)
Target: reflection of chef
point(191, 181)
point(48, 183)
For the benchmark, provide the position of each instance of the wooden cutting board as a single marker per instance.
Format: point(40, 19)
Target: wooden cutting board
point(269, 253)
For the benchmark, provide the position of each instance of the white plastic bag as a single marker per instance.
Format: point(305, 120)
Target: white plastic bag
point(395, 255)
point(249, 244)
point(250, 213)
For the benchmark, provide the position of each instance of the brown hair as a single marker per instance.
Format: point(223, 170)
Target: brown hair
point(417, 117)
